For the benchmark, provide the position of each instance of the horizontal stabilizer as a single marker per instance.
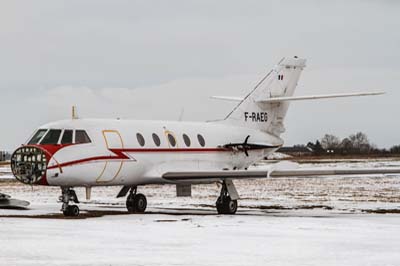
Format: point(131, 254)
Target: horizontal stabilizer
point(316, 97)
point(228, 98)
point(300, 98)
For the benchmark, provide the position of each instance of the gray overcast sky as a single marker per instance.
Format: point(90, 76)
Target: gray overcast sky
point(151, 59)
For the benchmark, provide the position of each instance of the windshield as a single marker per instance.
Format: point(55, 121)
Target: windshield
point(81, 137)
point(37, 137)
point(51, 137)
point(67, 137)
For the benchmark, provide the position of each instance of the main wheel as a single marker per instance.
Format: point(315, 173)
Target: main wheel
point(130, 203)
point(220, 206)
point(136, 203)
point(66, 212)
point(231, 206)
point(140, 203)
point(225, 205)
point(71, 210)
point(74, 210)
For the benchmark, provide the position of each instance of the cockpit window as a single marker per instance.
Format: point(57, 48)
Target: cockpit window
point(67, 137)
point(38, 136)
point(51, 137)
point(81, 137)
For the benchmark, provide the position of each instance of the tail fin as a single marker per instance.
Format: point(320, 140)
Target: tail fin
point(268, 117)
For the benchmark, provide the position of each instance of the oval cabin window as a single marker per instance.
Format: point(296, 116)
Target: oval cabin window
point(171, 140)
point(140, 139)
point(186, 139)
point(156, 140)
point(201, 140)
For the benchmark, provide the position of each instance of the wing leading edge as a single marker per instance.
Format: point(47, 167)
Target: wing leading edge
point(203, 176)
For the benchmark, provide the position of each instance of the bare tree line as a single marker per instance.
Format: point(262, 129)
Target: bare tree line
point(4, 156)
point(357, 143)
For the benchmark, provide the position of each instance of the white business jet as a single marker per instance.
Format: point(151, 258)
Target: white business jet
point(132, 153)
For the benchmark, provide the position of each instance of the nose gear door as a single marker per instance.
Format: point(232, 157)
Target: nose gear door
point(113, 166)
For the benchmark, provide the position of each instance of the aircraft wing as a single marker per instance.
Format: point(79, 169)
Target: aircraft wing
point(205, 176)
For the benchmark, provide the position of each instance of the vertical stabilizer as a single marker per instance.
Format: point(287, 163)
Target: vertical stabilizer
point(269, 117)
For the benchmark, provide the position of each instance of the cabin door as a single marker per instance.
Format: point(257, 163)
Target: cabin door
point(113, 166)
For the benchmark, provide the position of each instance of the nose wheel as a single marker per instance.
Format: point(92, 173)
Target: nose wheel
point(68, 195)
point(136, 203)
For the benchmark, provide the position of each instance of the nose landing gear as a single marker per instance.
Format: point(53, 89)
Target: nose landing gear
point(227, 203)
point(136, 203)
point(67, 195)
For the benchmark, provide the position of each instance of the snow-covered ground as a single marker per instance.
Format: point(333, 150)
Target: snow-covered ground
point(316, 221)
point(5, 169)
point(245, 239)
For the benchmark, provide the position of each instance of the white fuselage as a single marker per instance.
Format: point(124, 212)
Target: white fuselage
point(115, 157)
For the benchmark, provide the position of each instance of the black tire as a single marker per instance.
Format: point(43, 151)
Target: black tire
point(66, 212)
point(130, 206)
point(231, 206)
point(71, 211)
point(226, 205)
point(74, 210)
point(220, 206)
point(140, 203)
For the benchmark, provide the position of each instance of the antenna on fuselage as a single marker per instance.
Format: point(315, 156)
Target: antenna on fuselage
point(74, 113)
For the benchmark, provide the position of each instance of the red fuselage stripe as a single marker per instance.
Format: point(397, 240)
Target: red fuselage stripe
point(121, 156)
point(172, 150)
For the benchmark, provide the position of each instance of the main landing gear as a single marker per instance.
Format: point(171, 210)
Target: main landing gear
point(67, 195)
point(136, 203)
point(227, 201)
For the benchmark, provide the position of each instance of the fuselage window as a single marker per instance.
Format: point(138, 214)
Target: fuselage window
point(67, 137)
point(81, 137)
point(51, 137)
point(186, 139)
point(201, 140)
point(156, 140)
point(140, 139)
point(171, 140)
point(38, 136)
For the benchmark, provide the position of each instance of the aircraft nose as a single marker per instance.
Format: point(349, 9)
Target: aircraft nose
point(28, 164)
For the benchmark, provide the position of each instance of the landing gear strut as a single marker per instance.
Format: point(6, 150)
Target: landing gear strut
point(67, 195)
point(136, 203)
point(224, 204)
